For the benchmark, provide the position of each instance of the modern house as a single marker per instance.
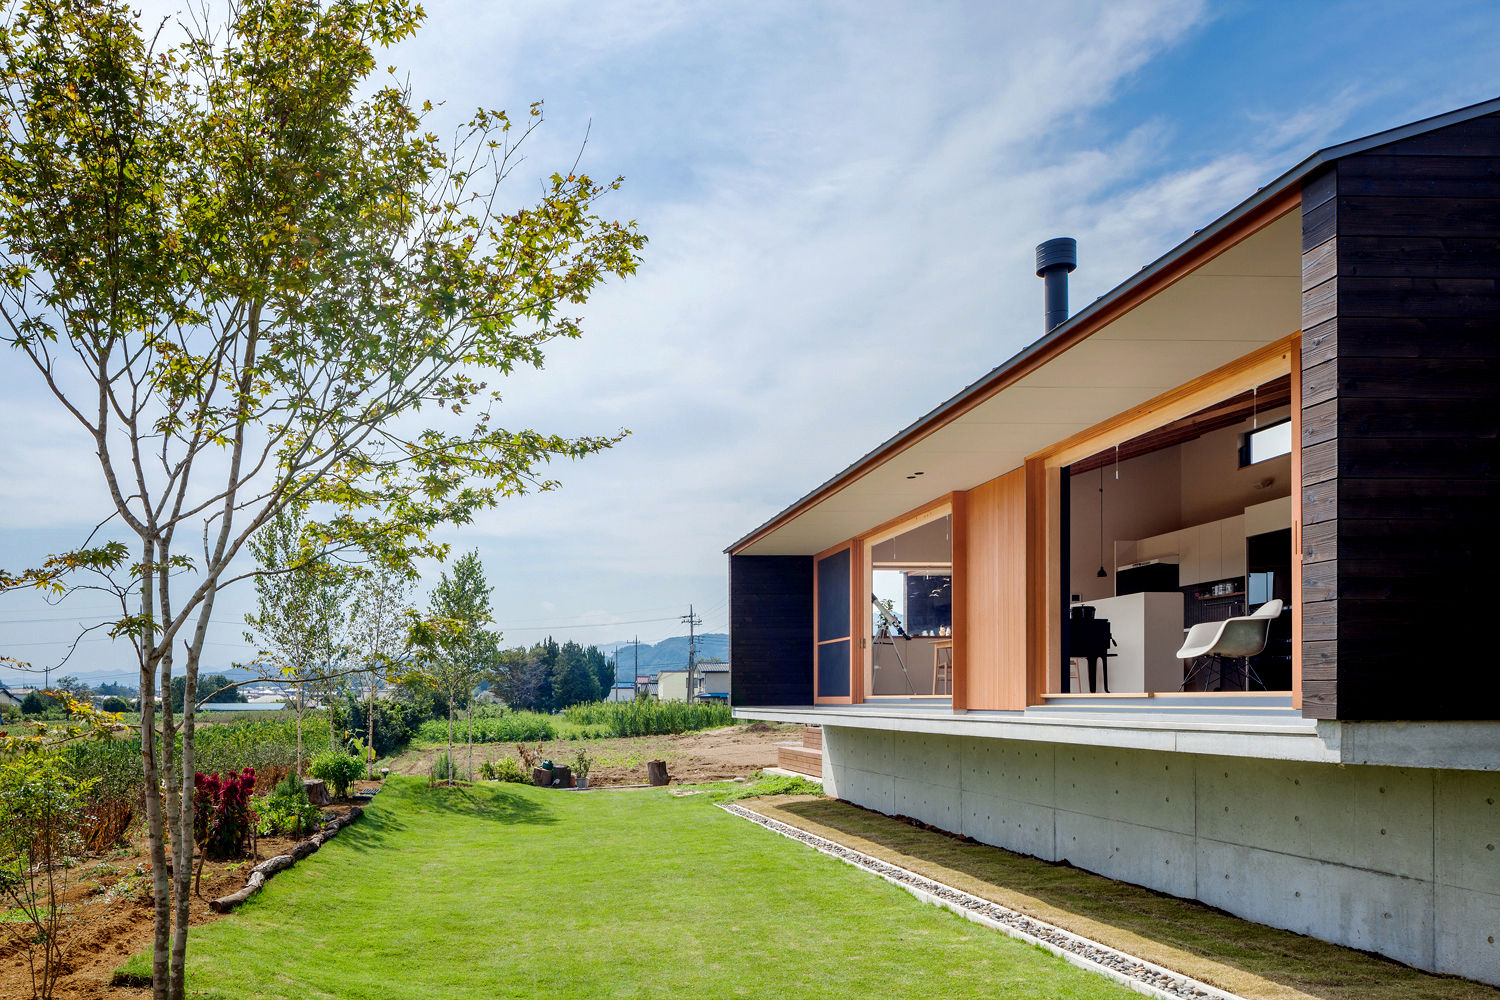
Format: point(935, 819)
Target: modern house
point(1296, 412)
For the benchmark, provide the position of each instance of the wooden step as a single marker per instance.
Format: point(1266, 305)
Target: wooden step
point(803, 760)
point(812, 737)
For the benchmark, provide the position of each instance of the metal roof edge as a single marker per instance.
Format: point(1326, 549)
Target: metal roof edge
point(1213, 230)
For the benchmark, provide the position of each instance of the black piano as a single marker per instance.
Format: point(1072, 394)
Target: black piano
point(1089, 638)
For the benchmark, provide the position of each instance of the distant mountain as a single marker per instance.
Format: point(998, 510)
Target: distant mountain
point(669, 654)
point(119, 675)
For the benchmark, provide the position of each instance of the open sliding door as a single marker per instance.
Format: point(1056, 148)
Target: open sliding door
point(834, 631)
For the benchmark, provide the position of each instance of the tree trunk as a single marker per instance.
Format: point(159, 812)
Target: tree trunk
point(155, 830)
point(299, 730)
point(471, 737)
point(182, 837)
point(450, 736)
point(370, 735)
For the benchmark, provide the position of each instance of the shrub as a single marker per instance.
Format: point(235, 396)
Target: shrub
point(443, 769)
point(506, 769)
point(583, 764)
point(286, 810)
point(285, 815)
point(36, 703)
point(41, 810)
point(114, 704)
point(290, 787)
point(222, 817)
point(650, 718)
point(10, 713)
point(487, 771)
point(338, 770)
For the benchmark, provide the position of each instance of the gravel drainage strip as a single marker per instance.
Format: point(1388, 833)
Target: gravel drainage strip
point(1140, 975)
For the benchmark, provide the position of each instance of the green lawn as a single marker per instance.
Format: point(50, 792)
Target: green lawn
point(512, 891)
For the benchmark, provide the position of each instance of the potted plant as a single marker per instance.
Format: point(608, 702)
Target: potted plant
point(582, 764)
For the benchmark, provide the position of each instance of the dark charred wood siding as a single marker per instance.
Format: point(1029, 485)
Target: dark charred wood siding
point(770, 630)
point(1401, 419)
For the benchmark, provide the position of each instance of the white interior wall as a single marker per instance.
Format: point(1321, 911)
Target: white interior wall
point(1192, 483)
point(1144, 501)
point(1213, 484)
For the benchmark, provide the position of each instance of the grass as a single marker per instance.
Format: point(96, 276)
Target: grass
point(1241, 957)
point(510, 891)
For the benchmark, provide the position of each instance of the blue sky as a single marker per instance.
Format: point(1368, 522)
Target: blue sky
point(842, 201)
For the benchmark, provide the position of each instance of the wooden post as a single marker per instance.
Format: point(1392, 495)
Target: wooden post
point(656, 772)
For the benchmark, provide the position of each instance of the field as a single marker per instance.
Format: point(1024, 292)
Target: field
point(712, 755)
point(509, 891)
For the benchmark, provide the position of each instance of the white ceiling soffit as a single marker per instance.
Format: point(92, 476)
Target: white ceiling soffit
point(1243, 299)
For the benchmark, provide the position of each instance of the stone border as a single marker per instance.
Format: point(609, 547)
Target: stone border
point(268, 868)
point(1137, 973)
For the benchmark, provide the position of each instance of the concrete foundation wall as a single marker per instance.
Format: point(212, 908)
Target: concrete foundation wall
point(1400, 861)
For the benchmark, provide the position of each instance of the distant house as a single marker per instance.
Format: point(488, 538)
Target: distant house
point(671, 685)
point(1169, 594)
point(623, 691)
point(9, 697)
point(712, 682)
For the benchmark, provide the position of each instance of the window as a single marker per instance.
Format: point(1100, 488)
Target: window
point(1266, 443)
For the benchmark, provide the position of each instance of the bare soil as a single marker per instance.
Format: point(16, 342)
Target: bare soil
point(710, 755)
point(110, 914)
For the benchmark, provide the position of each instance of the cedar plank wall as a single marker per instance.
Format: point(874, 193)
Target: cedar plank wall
point(770, 630)
point(1401, 408)
point(995, 594)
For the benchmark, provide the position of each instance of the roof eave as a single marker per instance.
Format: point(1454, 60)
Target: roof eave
point(1105, 303)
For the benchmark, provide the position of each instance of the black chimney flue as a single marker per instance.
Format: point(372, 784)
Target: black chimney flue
point(1054, 259)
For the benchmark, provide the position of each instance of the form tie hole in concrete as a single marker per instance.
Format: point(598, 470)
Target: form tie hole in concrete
point(1226, 808)
point(1298, 819)
point(1492, 939)
point(1489, 847)
point(1382, 791)
point(1295, 781)
point(1382, 831)
point(1386, 915)
point(1297, 894)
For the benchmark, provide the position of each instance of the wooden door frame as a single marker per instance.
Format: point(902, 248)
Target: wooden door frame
point(943, 506)
point(1043, 483)
point(851, 698)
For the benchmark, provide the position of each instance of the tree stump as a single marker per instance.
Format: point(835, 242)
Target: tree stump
point(562, 776)
point(317, 792)
point(656, 772)
point(541, 776)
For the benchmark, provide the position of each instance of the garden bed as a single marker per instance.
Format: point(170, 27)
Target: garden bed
point(114, 915)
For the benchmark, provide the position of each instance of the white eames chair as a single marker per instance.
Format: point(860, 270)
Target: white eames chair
point(1238, 638)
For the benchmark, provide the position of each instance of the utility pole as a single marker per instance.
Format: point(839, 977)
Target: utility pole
point(637, 643)
point(693, 621)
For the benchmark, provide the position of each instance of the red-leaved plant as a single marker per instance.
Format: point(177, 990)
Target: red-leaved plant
point(222, 817)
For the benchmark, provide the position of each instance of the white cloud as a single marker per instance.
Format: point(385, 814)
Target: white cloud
point(842, 202)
